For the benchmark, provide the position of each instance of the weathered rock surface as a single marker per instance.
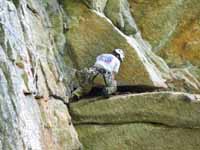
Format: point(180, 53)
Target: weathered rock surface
point(30, 72)
point(172, 27)
point(98, 5)
point(171, 109)
point(138, 136)
point(43, 41)
point(119, 13)
point(58, 131)
point(91, 34)
point(151, 121)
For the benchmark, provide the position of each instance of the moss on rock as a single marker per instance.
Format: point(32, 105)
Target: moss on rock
point(118, 11)
point(152, 121)
point(138, 137)
point(58, 130)
point(171, 109)
point(172, 27)
point(98, 5)
point(90, 35)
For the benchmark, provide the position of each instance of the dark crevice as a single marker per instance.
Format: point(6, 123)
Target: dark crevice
point(61, 2)
point(34, 11)
point(123, 89)
point(60, 99)
point(156, 124)
point(16, 3)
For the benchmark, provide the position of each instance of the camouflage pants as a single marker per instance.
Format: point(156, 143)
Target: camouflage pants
point(86, 79)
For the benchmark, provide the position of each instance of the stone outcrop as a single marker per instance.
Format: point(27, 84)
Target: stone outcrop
point(58, 131)
point(140, 121)
point(171, 109)
point(138, 136)
point(119, 13)
point(98, 5)
point(31, 81)
point(91, 33)
point(172, 28)
point(43, 42)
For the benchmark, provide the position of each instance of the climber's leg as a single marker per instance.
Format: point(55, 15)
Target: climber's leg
point(85, 78)
point(111, 85)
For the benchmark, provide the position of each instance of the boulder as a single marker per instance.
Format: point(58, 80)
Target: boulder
point(158, 121)
point(171, 109)
point(91, 34)
point(119, 13)
point(138, 136)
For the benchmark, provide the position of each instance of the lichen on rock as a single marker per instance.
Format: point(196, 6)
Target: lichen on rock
point(44, 42)
point(98, 5)
point(118, 11)
point(158, 120)
point(29, 73)
point(171, 27)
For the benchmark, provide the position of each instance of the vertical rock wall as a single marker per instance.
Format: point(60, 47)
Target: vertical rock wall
point(32, 84)
point(172, 27)
point(42, 41)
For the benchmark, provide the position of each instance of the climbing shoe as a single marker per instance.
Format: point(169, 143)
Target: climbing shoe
point(74, 98)
point(105, 93)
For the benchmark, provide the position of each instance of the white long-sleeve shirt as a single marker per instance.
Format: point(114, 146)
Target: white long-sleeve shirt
point(109, 62)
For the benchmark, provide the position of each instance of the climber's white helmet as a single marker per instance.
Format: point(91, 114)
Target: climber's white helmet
point(120, 53)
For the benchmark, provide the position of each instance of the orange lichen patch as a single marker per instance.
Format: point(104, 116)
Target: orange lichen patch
point(172, 27)
point(155, 19)
point(187, 43)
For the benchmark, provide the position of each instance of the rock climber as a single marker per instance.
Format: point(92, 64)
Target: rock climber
point(106, 65)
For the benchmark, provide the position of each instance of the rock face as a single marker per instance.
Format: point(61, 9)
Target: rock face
point(30, 76)
point(43, 42)
point(172, 27)
point(98, 5)
point(141, 121)
point(58, 132)
point(174, 109)
point(118, 11)
point(138, 136)
point(91, 34)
